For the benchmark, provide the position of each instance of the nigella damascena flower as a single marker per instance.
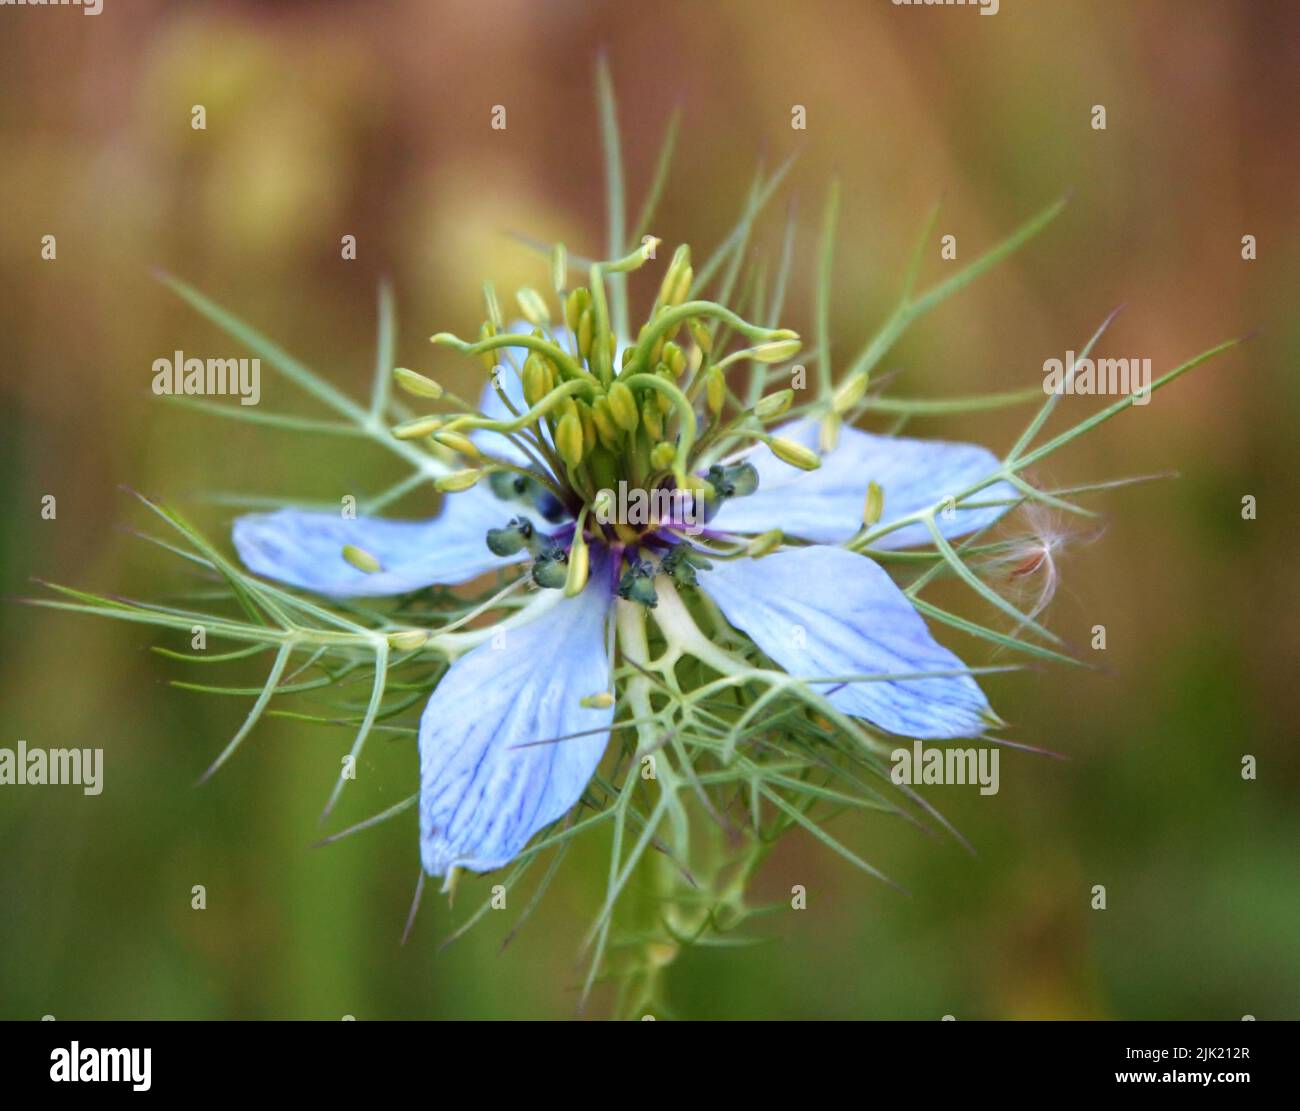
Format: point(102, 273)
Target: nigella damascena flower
point(751, 520)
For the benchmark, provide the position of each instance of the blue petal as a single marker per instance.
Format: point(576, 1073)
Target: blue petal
point(825, 505)
point(823, 611)
point(305, 549)
point(484, 789)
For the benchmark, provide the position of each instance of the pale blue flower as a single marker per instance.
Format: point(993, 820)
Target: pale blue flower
point(508, 746)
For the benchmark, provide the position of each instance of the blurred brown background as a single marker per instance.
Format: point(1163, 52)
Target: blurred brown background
point(372, 119)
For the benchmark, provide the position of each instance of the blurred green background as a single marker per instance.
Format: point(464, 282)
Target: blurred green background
point(372, 119)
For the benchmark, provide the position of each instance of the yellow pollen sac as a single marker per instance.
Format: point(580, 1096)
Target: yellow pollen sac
point(775, 351)
point(408, 640)
point(418, 428)
point(459, 443)
point(579, 567)
point(538, 378)
point(574, 306)
point(601, 701)
point(715, 389)
point(622, 407)
point(533, 306)
point(361, 559)
point(606, 429)
point(849, 393)
point(764, 544)
point(795, 454)
point(774, 404)
point(652, 418)
point(456, 481)
point(569, 439)
point(662, 455)
point(874, 506)
point(417, 385)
